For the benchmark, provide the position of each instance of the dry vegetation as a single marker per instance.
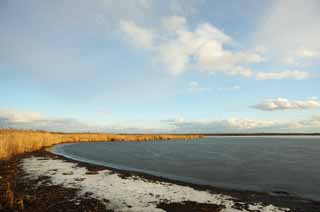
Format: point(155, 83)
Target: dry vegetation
point(13, 142)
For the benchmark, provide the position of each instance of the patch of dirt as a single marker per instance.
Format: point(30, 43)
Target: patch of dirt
point(20, 194)
point(190, 206)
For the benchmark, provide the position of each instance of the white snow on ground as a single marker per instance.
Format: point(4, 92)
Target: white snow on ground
point(130, 194)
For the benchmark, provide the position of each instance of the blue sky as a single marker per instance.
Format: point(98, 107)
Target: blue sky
point(160, 66)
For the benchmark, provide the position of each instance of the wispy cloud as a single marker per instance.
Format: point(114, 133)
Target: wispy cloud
point(308, 53)
point(20, 117)
point(137, 35)
point(280, 75)
point(285, 104)
point(195, 87)
point(229, 88)
point(34, 120)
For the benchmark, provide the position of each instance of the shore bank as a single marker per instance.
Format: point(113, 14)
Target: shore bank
point(42, 181)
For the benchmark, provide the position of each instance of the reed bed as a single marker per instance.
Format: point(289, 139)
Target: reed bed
point(13, 142)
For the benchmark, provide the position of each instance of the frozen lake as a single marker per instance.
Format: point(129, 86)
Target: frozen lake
point(270, 164)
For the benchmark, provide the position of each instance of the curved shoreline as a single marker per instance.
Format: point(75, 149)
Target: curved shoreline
point(110, 158)
point(141, 173)
point(242, 199)
point(122, 168)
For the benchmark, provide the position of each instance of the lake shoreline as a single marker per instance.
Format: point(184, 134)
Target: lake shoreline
point(273, 165)
point(23, 190)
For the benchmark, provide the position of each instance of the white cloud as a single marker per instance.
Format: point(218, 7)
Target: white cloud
point(230, 88)
point(137, 35)
point(178, 119)
point(312, 124)
point(246, 72)
point(174, 23)
point(172, 56)
point(244, 125)
point(248, 123)
point(195, 87)
point(302, 57)
point(204, 48)
point(178, 48)
point(285, 104)
point(227, 125)
point(288, 74)
point(307, 53)
point(34, 120)
point(20, 117)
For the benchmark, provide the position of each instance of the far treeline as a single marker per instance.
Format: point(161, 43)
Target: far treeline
point(259, 134)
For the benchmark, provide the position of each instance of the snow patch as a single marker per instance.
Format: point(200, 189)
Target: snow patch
point(126, 194)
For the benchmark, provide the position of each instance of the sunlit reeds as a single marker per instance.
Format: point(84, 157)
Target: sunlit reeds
point(13, 142)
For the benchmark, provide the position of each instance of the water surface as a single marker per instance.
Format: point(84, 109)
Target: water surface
point(290, 164)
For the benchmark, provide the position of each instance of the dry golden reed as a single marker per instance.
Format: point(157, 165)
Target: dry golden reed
point(13, 142)
point(9, 196)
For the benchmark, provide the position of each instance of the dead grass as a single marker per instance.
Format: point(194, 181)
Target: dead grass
point(9, 196)
point(13, 142)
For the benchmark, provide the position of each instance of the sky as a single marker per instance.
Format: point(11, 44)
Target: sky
point(150, 66)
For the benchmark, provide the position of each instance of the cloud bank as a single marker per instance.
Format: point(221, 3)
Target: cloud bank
point(285, 104)
point(31, 120)
point(280, 75)
point(244, 125)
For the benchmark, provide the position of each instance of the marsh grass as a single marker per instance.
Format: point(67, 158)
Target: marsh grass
point(9, 196)
point(13, 142)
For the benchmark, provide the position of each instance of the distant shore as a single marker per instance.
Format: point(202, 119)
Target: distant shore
point(259, 134)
